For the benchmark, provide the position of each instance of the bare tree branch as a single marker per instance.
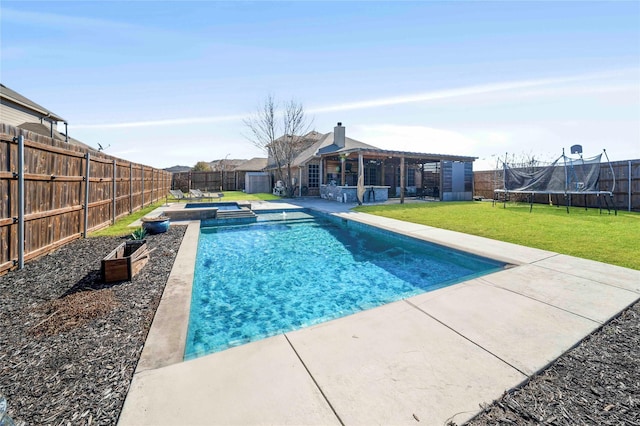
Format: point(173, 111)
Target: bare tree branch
point(264, 128)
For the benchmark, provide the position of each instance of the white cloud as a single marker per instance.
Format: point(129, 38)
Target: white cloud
point(535, 87)
point(482, 89)
point(166, 122)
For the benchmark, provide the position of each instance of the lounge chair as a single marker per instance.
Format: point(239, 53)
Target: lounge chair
point(197, 194)
point(177, 194)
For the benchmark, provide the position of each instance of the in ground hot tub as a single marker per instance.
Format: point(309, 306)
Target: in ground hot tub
point(202, 211)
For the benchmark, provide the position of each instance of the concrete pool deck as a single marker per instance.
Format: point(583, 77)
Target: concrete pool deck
point(434, 357)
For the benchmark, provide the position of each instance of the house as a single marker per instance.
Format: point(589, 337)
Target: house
point(21, 112)
point(329, 167)
point(177, 169)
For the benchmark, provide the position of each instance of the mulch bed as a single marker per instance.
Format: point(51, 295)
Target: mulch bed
point(595, 383)
point(69, 345)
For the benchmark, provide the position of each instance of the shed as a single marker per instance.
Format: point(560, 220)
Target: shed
point(257, 182)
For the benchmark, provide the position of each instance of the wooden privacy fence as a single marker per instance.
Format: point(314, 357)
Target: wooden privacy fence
point(209, 181)
point(63, 193)
point(626, 194)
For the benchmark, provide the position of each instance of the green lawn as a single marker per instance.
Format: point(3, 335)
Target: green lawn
point(241, 196)
point(587, 234)
point(234, 196)
point(121, 227)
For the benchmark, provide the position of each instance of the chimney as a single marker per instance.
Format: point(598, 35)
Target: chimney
point(338, 135)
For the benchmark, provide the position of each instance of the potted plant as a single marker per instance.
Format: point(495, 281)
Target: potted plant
point(155, 225)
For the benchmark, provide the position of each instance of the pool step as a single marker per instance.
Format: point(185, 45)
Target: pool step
point(235, 214)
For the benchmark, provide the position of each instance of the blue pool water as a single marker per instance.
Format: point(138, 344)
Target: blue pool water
point(293, 270)
point(220, 206)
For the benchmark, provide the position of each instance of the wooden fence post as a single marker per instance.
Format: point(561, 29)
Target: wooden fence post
point(142, 204)
point(130, 188)
point(153, 176)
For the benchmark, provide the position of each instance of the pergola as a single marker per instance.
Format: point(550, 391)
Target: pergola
point(389, 168)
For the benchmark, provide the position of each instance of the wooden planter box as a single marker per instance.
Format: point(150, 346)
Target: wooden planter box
point(125, 261)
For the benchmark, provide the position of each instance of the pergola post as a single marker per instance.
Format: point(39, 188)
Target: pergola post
point(402, 180)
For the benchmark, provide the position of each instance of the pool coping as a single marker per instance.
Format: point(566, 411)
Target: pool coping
point(449, 309)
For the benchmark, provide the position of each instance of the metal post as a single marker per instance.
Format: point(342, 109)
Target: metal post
point(86, 194)
point(629, 207)
point(402, 180)
point(20, 202)
point(130, 188)
point(113, 219)
point(567, 197)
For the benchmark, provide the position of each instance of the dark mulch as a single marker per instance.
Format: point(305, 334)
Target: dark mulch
point(69, 343)
point(595, 383)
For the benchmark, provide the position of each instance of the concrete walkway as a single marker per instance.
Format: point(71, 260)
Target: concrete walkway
point(434, 357)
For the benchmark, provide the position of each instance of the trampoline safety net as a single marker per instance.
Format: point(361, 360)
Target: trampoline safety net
point(565, 175)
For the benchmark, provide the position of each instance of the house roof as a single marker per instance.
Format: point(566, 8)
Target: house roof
point(17, 98)
point(256, 164)
point(377, 152)
point(227, 164)
point(327, 145)
point(178, 169)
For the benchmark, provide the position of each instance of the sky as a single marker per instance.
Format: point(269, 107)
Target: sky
point(170, 83)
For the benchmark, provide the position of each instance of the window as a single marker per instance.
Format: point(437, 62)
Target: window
point(370, 175)
point(314, 175)
point(410, 176)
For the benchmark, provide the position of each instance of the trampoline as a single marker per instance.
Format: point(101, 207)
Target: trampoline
point(566, 177)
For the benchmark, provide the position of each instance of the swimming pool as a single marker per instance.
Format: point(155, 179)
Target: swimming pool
point(294, 269)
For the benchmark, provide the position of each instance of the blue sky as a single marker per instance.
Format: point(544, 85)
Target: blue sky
point(165, 83)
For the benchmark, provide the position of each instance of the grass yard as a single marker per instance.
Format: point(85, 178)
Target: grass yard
point(232, 196)
point(587, 234)
point(121, 227)
point(241, 196)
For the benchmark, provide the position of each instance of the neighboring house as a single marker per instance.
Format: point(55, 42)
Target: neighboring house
point(177, 169)
point(255, 165)
point(15, 110)
point(333, 160)
point(19, 111)
point(226, 164)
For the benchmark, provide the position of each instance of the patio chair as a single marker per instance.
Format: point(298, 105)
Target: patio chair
point(197, 194)
point(177, 194)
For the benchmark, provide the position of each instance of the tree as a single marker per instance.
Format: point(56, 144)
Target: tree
point(272, 119)
point(201, 166)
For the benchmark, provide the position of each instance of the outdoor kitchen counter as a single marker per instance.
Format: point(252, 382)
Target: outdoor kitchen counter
point(349, 194)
